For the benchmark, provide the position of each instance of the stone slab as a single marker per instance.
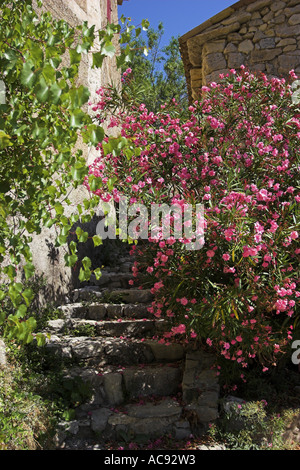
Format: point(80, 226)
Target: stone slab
point(158, 381)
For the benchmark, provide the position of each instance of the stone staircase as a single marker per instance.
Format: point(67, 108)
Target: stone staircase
point(140, 388)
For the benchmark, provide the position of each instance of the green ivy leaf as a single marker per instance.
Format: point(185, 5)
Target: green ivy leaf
point(77, 119)
point(29, 270)
point(98, 58)
point(42, 90)
point(98, 273)
point(55, 93)
point(81, 235)
point(28, 76)
point(71, 260)
point(5, 141)
point(109, 50)
point(97, 240)
point(75, 57)
point(78, 172)
point(93, 135)
point(22, 310)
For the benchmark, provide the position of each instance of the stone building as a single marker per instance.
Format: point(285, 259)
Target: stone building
point(263, 35)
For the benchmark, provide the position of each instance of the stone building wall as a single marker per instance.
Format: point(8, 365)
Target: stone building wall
point(263, 35)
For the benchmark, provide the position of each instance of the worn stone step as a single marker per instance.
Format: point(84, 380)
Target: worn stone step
point(94, 293)
point(114, 385)
point(152, 420)
point(142, 401)
point(100, 311)
point(117, 351)
point(112, 279)
point(123, 327)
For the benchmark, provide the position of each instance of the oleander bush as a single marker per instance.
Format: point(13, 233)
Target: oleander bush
point(236, 153)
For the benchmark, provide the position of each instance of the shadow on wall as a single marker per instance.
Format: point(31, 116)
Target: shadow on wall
point(106, 255)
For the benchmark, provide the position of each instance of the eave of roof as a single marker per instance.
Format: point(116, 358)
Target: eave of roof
point(215, 19)
point(183, 40)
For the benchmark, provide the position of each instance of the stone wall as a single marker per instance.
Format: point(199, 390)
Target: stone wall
point(263, 35)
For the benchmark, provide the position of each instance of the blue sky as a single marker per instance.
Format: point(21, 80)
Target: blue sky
point(177, 16)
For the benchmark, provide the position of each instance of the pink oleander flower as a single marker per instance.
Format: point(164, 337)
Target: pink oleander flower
point(210, 253)
point(294, 235)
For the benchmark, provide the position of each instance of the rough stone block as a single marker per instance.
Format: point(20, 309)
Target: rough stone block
point(241, 18)
point(288, 62)
point(235, 60)
point(85, 347)
point(234, 37)
point(148, 420)
point(290, 48)
point(196, 74)
point(159, 381)
point(167, 408)
point(168, 353)
point(196, 83)
point(99, 419)
point(279, 5)
point(117, 351)
point(113, 388)
point(230, 48)
point(258, 67)
point(267, 43)
point(265, 55)
point(136, 311)
point(280, 19)
point(82, 4)
point(246, 46)
point(256, 23)
point(182, 429)
point(292, 11)
point(213, 62)
point(291, 3)
point(286, 42)
point(285, 31)
point(115, 310)
point(97, 311)
point(215, 46)
point(294, 19)
point(258, 5)
point(268, 17)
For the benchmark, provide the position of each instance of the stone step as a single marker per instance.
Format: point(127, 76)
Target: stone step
point(116, 351)
point(100, 311)
point(94, 293)
point(164, 417)
point(129, 328)
point(146, 401)
point(152, 420)
point(114, 385)
point(112, 279)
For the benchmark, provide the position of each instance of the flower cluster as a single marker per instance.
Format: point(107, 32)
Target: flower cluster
point(237, 153)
